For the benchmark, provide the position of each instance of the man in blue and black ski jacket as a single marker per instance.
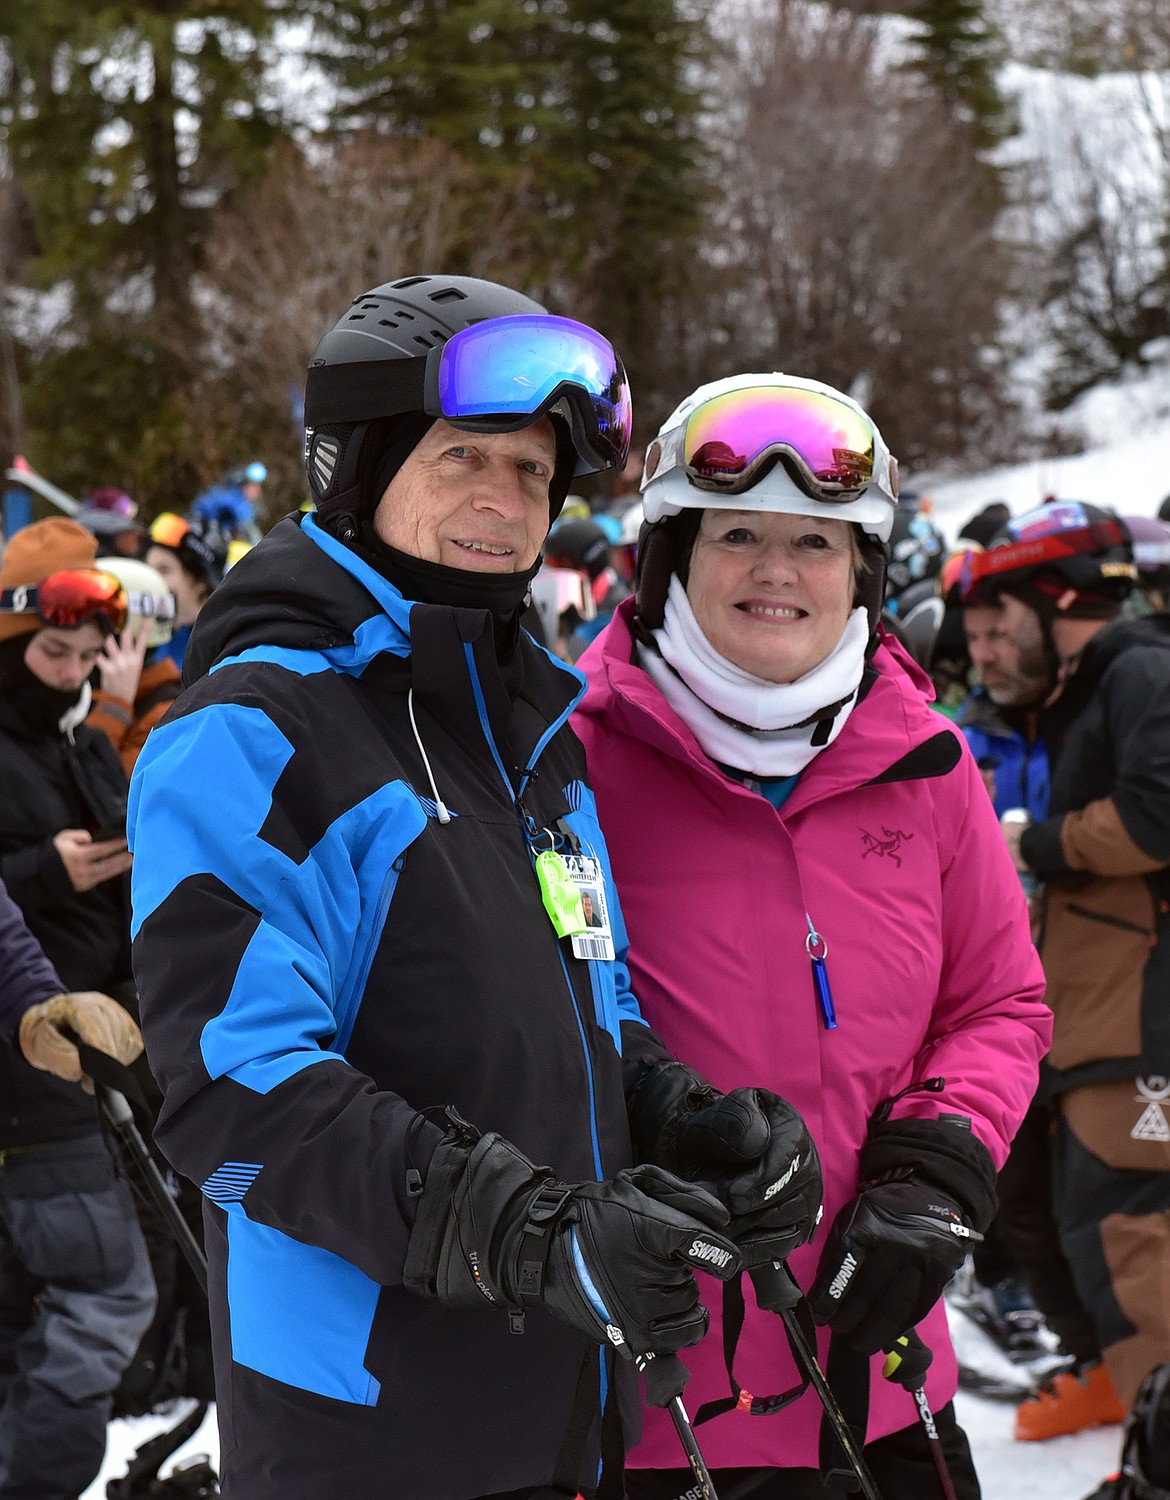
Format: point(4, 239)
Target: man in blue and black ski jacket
point(403, 1070)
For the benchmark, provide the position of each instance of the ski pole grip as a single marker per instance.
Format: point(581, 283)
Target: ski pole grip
point(907, 1361)
point(776, 1288)
point(665, 1376)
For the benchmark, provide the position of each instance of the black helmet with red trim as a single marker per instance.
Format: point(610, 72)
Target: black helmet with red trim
point(1066, 559)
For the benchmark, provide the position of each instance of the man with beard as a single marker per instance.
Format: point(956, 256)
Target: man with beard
point(1020, 1267)
point(1102, 856)
point(999, 719)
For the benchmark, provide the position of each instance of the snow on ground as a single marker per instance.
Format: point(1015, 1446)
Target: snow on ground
point(126, 1436)
point(1067, 1468)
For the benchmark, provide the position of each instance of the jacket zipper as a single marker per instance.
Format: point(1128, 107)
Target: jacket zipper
point(348, 1011)
point(515, 796)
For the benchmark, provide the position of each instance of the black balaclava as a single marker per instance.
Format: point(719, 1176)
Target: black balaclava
point(40, 706)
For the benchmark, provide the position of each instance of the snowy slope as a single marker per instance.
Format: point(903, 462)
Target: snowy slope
point(1126, 463)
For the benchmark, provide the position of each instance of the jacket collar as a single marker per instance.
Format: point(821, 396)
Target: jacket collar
point(892, 719)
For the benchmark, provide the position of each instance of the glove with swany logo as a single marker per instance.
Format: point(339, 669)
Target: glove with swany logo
point(749, 1148)
point(612, 1259)
point(774, 1201)
point(928, 1191)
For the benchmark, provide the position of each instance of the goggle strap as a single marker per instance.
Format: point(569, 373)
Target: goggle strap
point(21, 600)
point(365, 391)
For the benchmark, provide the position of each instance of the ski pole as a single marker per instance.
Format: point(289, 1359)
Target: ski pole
point(777, 1291)
point(106, 1074)
point(665, 1376)
point(906, 1365)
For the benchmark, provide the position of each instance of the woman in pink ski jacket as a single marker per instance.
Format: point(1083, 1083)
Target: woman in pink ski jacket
point(817, 895)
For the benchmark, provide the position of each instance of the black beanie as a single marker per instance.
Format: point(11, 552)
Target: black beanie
point(388, 445)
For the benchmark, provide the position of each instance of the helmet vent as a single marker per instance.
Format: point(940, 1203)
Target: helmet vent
point(326, 452)
point(408, 281)
point(449, 294)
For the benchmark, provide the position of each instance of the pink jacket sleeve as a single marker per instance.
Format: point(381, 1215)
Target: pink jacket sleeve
point(990, 1026)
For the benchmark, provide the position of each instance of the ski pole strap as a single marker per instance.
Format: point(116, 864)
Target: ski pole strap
point(111, 1074)
point(741, 1400)
point(847, 1372)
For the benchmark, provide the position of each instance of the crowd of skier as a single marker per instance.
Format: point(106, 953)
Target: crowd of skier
point(585, 950)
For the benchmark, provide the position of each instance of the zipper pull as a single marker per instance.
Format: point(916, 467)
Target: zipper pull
point(818, 952)
point(927, 1086)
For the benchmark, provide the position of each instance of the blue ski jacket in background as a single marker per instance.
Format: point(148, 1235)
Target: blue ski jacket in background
point(1020, 765)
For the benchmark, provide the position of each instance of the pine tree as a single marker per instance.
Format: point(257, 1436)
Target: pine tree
point(959, 52)
point(592, 106)
point(125, 124)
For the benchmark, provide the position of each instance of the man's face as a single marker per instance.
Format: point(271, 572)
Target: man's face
point(1007, 649)
point(471, 500)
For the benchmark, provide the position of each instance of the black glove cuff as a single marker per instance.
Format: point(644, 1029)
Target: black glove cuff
point(948, 1157)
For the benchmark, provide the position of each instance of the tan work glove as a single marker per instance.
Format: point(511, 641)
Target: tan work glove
point(96, 1019)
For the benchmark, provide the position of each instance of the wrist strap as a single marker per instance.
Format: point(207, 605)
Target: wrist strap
point(545, 1211)
point(741, 1400)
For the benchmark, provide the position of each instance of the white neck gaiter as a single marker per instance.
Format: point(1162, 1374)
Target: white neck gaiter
point(763, 728)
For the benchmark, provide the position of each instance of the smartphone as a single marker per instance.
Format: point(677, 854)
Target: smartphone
point(112, 828)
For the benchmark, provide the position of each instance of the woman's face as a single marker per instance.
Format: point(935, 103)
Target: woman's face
point(771, 592)
point(63, 659)
point(190, 596)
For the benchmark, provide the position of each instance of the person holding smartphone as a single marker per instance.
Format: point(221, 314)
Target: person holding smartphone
point(76, 1289)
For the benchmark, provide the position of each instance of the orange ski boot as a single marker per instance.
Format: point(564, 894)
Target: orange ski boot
point(1069, 1402)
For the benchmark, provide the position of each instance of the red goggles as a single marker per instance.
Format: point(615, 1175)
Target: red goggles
point(68, 599)
point(1047, 543)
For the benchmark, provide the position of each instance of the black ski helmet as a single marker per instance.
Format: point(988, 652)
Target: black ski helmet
point(581, 544)
point(371, 365)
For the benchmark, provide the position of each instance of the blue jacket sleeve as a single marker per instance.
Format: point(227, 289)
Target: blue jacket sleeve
point(249, 952)
point(26, 975)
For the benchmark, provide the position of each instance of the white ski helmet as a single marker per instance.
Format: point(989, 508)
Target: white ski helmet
point(824, 442)
point(799, 448)
point(147, 594)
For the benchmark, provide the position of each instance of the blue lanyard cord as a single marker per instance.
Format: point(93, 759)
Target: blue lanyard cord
point(525, 821)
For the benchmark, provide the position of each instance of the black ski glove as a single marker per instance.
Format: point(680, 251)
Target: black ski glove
point(612, 1259)
point(928, 1191)
point(749, 1148)
point(774, 1201)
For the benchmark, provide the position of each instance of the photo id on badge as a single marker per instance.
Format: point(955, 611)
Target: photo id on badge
point(597, 939)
